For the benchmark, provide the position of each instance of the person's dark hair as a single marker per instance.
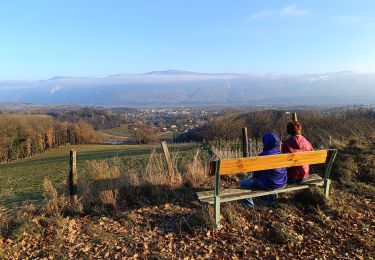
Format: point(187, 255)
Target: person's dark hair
point(294, 128)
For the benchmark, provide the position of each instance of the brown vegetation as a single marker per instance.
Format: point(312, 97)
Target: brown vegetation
point(97, 118)
point(144, 133)
point(321, 128)
point(25, 135)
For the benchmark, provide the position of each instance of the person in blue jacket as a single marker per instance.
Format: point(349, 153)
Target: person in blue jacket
point(268, 179)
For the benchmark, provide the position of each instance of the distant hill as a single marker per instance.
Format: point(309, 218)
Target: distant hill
point(174, 87)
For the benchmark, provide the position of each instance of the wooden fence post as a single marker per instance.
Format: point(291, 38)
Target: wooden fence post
point(167, 158)
point(294, 117)
point(250, 147)
point(245, 142)
point(72, 179)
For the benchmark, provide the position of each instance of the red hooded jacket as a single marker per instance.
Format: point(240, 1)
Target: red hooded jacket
point(295, 144)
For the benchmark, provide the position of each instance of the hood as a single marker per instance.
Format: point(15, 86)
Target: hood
point(270, 141)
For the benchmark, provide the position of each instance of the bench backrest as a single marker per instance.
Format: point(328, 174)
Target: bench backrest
point(258, 163)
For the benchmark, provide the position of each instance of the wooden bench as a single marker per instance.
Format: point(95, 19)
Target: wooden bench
point(249, 164)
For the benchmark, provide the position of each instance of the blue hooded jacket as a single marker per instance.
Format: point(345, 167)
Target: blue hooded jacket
point(276, 178)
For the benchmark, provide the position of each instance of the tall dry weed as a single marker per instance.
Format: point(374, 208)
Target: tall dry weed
point(157, 171)
point(104, 176)
point(196, 172)
point(226, 152)
point(55, 204)
point(156, 183)
point(137, 182)
point(5, 218)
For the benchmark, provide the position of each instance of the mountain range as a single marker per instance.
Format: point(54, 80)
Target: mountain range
point(175, 87)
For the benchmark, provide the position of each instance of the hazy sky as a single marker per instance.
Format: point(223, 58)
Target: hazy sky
point(40, 39)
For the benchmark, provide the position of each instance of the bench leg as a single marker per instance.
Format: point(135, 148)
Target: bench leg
point(217, 212)
point(327, 184)
point(217, 196)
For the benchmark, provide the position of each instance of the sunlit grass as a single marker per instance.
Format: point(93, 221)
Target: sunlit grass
point(123, 130)
point(27, 174)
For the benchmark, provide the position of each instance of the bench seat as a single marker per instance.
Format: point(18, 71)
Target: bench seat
point(227, 195)
point(223, 167)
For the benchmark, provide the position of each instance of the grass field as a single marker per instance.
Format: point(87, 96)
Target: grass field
point(123, 131)
point(26, 176)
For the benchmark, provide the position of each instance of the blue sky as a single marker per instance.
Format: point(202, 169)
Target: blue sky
point(43, 38)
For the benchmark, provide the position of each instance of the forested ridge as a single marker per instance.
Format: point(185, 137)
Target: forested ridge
point(25, 135)
point(318, 126)
point(98, 118)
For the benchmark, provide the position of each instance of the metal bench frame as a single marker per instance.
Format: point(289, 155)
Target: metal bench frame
point(238, 194)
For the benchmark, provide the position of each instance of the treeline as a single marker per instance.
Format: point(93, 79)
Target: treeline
point(98, 118)
point(25, 135)
point(319, 127)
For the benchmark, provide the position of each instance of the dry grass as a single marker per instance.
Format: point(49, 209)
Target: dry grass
point(56, 201)
point(355, 164)
point(7, 192)
point(281, 233)
point(311, 199)
point(155, 183)
point(18, 221)
point(6, 218)
point(157, 171)
point(226, 152)
point(198, 220)
point(233, 214)
point(109, 183)
point(196, 173)
point(55, 204)
point(104, 175)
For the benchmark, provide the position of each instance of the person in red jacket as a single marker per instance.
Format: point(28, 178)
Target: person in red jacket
point(294, 142)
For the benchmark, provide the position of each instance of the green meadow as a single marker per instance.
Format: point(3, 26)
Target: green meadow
point(121, 131)
point(25, 177)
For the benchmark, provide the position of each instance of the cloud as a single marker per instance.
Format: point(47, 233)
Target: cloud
point(321, 77)
point(261, 15)
point(54, 89)
point(294, 10)
point(347, 19)
point(290, 10)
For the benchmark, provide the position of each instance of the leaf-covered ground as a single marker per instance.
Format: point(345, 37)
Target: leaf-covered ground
point(297, 228)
